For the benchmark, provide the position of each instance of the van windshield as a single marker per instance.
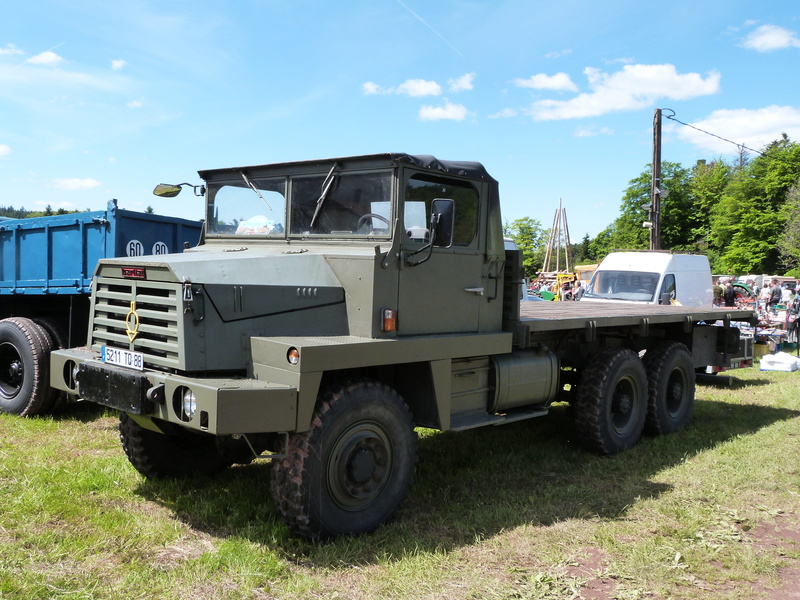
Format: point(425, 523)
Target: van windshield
point(622, 285)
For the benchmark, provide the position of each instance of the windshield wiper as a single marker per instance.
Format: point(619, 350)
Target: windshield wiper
point(254, 188)
point(326, 187)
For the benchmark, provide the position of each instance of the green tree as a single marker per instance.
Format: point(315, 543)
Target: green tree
point(528, 235)
point(789, 242)
point(748, 221)
point(678, 215)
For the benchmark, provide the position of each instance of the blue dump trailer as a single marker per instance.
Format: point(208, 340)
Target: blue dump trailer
point(46, 267)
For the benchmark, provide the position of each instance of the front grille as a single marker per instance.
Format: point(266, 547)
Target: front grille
point(158, 306)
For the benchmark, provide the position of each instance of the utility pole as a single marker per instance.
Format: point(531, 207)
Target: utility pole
point(655, 186)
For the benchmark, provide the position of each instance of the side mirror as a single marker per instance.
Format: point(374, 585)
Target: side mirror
point(165, 190)
point(442, 222)
point(666, 298)
point(442, 227)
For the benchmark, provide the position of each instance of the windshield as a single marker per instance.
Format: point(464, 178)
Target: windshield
point(622, 285)
point(355, 205)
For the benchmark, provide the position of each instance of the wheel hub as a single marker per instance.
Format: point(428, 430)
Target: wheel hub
point(362, 465)
point(622, 404)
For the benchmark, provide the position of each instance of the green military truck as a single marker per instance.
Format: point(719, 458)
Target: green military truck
point(335, 305)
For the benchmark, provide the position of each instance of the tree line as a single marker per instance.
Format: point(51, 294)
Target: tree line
point(20, 213)
point(744, 215)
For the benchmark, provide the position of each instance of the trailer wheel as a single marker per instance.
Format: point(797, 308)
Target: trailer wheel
point(177, 453)
point(57, 400)
point(351, 471)
point(24, 367)
point(612, 401)
point(671, 379)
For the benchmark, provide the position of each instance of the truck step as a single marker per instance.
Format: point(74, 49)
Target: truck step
point(471, 420)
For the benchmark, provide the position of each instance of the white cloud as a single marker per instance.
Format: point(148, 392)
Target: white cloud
point(371, 89)
point(593, 131)
point(560, 82)
point(752, 128)
point(74, 184)
point(461, 84)
point(47, 58)
point(416, 88)
point(10, 49)
point(5, 149)
point(771, 37)
point(504, 114)
point(634, 87)
point(118, 64)
point(134, 104)
point(558, 54)
point(450, 111)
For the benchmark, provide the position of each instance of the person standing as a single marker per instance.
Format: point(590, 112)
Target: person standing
point(718, 291)
point(775, 293)
point(729, 295)
point(577, 291)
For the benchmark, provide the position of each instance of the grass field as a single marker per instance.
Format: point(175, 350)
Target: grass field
point(516, 512)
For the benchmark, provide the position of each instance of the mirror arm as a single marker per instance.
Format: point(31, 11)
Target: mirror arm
point(427, 247)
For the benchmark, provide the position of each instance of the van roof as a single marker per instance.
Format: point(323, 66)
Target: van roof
point(654, 261)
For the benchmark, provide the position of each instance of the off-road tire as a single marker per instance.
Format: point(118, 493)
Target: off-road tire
point(611, 406)
point(24, 367)
point(671, 380)
point(178, 454)
point(350, 472)
point(58, 400)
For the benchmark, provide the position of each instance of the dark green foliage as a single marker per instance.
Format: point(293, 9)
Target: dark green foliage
point(531, 239)
point(21, 213)
point(745, 216)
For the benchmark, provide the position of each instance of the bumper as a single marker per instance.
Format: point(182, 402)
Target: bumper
point(223, 406)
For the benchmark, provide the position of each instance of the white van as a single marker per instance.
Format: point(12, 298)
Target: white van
point(652, 277)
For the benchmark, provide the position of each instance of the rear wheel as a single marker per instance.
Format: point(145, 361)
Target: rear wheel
point(24, 367)
point(178, 453)
point(611, 405)
point(671, 380)
point(351, 471)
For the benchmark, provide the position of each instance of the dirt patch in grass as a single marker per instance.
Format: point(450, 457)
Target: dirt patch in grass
point(781, 534)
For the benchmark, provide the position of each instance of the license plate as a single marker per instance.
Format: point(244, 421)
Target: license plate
point(123, 358)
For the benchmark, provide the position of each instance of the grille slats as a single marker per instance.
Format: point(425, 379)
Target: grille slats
point(158, 310)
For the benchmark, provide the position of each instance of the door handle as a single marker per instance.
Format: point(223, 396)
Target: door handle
point(476, 290)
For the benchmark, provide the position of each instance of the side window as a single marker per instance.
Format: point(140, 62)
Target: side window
point(668, 287)
point(422, 189)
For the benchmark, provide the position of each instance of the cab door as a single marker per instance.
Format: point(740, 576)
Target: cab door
point(445, 293)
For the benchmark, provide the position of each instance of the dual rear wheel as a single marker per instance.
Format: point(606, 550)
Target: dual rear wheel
point(620, 396)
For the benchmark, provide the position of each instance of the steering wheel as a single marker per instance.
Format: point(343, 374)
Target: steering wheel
point(364, 218)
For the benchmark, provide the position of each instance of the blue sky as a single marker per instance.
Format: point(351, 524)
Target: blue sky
point(103, 100)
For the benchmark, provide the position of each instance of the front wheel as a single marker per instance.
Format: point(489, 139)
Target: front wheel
point(351, 471)
point(611, 405)
point(176, 453)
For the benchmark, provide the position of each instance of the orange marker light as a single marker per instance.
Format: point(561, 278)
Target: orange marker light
point(389, 319)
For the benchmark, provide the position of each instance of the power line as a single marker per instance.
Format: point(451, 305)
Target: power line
point(719, 137)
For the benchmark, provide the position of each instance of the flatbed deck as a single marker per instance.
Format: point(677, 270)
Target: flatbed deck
point(557, 316)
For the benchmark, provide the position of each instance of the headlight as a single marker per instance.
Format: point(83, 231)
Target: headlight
point(189, 404)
